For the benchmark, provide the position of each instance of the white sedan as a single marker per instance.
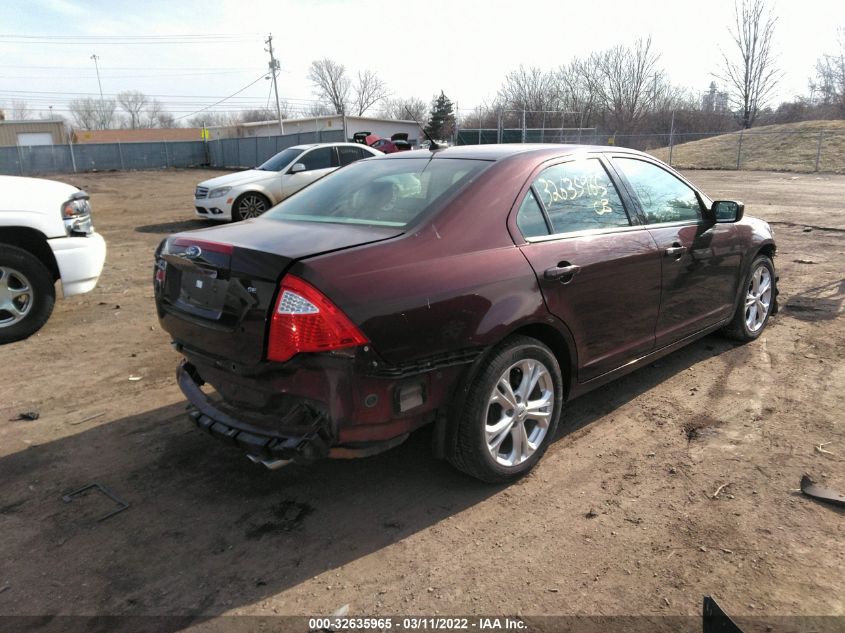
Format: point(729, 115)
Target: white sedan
point(248, 194)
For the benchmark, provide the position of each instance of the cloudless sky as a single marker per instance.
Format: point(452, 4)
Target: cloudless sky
point(464, 47)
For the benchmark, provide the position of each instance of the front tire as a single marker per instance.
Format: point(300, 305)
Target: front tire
point(249, 205)
point(511, 412)
point(757, 301)
point(27, 294)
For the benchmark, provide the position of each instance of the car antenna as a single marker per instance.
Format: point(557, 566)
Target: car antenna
point(432, 145)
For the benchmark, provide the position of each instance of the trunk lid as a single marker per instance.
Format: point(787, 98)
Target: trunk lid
point(215, 288)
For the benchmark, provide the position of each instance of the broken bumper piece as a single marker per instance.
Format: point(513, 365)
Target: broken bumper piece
point(311, 442)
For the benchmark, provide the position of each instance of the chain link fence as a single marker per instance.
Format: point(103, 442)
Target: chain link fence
point(814, 150)
point(38, 160)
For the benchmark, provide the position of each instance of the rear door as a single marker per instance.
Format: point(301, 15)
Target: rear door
point(318, 162)
point(700, 260)
point(598, 268)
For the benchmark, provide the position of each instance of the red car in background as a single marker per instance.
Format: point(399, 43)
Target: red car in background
point(398, 142)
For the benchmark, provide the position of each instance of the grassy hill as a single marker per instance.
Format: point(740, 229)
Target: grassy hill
point(786, 147)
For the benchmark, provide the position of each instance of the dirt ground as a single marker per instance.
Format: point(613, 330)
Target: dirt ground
point(618, 518)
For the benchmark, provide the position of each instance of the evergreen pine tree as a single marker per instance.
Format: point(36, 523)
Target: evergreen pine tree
point(442, 122)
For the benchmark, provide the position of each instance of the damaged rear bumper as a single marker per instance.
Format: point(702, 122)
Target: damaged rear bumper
point(311, 441)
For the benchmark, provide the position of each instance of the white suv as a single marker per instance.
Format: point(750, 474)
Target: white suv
point(46, 237)
point(248, 194)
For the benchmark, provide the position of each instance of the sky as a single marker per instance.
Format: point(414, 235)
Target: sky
point(190, 53)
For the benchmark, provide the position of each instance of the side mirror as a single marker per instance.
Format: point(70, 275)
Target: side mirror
point(727, 211)
point(297, 167)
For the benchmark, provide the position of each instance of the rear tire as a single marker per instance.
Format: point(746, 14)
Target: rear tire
point(27, 294)
point(511, 412)
point(759, 294)
point(249, 205)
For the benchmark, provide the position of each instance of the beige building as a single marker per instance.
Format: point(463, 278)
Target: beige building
point(345, 125)
point(35, 132)
point(138, 135)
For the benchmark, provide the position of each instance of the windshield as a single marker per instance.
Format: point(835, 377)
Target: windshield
point(379, 192)
point(280, 160)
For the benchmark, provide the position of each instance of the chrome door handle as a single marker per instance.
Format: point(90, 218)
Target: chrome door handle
point(675, 251)
point(561, 273)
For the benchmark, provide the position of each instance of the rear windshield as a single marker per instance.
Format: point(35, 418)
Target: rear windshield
point(280, 160)
point(379, 192)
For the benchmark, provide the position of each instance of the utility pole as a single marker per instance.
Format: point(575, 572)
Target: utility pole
point(95, 57)
point(274, 70)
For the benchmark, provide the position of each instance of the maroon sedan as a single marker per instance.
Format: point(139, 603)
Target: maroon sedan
point(476, 288)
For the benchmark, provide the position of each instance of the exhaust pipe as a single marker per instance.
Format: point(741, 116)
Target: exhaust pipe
point(271, 464)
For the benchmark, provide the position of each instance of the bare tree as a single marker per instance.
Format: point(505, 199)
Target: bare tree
point(627, 82)
point(265, 114)
point(156, 115)
point(214, 119)
point(85, 113)
point(410, 108)
point(577, 84)
point(330, 83)
point(830, 73)
point(530, 89)
point(258, 114)
point(751, 74)
point(319, 109)
point(369, 90)
point(20, 110)
point(133, 103)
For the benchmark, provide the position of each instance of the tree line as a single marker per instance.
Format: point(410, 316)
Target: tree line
point(619, 90)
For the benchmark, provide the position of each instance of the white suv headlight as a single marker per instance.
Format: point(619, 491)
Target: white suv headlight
point(76, 214)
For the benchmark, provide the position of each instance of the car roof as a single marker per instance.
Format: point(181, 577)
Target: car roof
point(312, 145)
point(502, 151)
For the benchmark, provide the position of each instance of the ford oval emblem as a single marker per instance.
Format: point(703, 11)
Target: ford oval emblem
point(193, 251)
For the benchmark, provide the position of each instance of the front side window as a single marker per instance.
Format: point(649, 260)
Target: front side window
point(662, 196)
point(579, 196)
point(280, 160)
point(381, 192)
point(320, 158)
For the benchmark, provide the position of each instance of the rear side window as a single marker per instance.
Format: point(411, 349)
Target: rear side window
point(349, 154)
point(662, 196)
point(530, 218)
point(382, 192)
point(579, 196)
point(320, 158)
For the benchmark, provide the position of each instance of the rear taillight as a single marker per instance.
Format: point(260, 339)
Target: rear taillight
point(305, 320)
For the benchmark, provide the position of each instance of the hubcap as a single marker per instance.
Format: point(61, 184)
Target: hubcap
point(758, 299)
point(251, 207)
point(519, 412)
point(15, 296)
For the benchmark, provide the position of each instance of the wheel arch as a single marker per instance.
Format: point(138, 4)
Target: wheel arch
point(562, 346)
point(34, 242)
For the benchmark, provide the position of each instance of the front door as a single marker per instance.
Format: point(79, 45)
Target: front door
point(699, 259)
point(318, 162)
point(599, 273)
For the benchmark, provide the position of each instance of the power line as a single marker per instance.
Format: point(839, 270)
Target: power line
point(260, 77)
point(125, 37)
point(24, 93)
point(210, 68)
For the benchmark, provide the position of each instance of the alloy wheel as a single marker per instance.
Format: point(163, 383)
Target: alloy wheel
point(519, 412)
point(251, 206)
point(758, 299)
point(16, 296)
